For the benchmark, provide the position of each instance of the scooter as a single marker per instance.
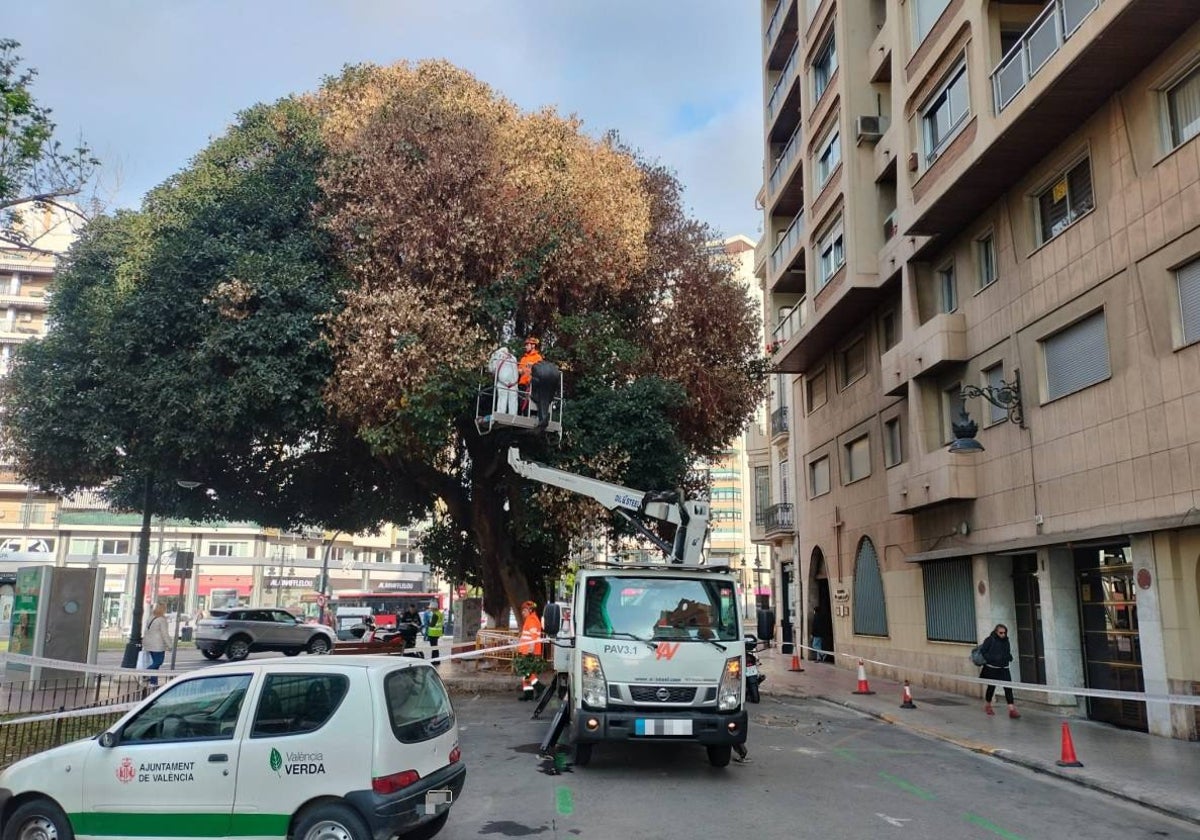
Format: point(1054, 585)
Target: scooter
point(753, 677)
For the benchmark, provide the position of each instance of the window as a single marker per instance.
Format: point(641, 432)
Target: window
point(1188, 280)
point(762, 494)
point(1068, 198)
point(993, 378)
point(824, 66)
point(829, 157)
point(818, 477)
point(204, 709)
point(889, 332)
point(295, 703)
point(949, 600)
point(1183, 108)
point(854, 362)
point(831, 254)
point(947, 288)
point(870, 605)
point(858, 459)
point(926, 13)
point(946, 112)
point(953, 405)
point(226, 549)
point(986, 250)
point(816, 390)
point(417, 704)
point(114, 547)
point(1076, 357)
point(893, 451)
point(785, 489)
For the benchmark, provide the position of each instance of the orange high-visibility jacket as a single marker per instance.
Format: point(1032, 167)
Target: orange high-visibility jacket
point(525, 367)
point(531, 631)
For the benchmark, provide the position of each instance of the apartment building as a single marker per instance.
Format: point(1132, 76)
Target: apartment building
point(982, 272)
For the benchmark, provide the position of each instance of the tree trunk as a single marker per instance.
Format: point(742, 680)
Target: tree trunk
point(505, 585)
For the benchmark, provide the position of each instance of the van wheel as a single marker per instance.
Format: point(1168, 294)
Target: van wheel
point(718, 756)
point(237, 649)
point(319, 645)
point(332, 821)
point(429, 829)
point(291, 652)
point(38, 819)
point(583, 754)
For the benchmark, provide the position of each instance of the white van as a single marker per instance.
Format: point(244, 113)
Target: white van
point(354, 747)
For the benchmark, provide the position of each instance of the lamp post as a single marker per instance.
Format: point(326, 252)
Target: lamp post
point(1006, 395)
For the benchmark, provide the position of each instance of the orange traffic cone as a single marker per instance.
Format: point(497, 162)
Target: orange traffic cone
point(906, 698)
point(863, 688)
point(1068, 749)
point(796, 663)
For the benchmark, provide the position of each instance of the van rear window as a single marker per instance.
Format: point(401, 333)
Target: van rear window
point(418, 706)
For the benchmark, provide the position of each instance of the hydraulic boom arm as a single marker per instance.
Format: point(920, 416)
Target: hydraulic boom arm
point(689, 517)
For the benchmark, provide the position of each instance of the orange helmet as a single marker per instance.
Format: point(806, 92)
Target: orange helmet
point(529, 605)
point(532, 340)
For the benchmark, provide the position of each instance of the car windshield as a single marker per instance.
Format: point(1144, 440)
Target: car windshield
point(661, 608)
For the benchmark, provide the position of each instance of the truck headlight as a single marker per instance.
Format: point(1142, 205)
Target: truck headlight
point(593, 684)
point(729, 692)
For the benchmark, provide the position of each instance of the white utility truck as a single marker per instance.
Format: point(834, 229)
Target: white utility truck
point(651, 652)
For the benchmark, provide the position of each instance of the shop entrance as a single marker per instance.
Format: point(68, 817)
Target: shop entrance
point(1028, 604)
point(1112, 655)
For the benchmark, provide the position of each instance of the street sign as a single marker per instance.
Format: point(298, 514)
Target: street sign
point(320, 599)
point(183, 564)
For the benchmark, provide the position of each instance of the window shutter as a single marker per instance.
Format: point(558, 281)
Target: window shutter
point(1188, 279)
point(1076, 357)
point(870, 607)
point(1079, 186)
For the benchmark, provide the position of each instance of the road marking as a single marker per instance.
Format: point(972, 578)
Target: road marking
point(908, 787)
point(896, 821)
point(975, 819)
point(564, 801)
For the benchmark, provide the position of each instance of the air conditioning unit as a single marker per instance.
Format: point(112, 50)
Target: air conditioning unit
point(870, 128)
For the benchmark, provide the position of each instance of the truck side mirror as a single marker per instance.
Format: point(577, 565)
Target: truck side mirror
point(551, 619)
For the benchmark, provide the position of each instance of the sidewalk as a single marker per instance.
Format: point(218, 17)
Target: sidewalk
point(1158, 773)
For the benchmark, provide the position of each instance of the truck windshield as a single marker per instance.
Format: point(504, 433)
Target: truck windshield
point(681, 609)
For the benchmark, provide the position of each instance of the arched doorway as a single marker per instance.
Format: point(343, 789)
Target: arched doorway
point(820, 616)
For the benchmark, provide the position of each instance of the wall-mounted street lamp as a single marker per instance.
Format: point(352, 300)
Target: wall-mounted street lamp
point(1006, 396)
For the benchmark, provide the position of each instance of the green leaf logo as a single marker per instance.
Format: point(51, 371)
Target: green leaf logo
point(276, 760)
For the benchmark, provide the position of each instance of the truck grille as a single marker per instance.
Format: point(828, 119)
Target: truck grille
point(650, 693)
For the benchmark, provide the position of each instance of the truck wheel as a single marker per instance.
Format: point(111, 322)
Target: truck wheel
point(237, 649)
point(583, 754)
point(332, 821)
point(718, 756)
point(38, 819)
point(429, 829)
point(319, 645)
point(210, 655)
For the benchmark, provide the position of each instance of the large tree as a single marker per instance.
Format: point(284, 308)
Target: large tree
point(320, 289)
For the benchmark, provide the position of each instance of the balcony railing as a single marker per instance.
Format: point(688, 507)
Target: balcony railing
point(790, 323)
point(779, 421)
point(787, 243)
point(781, 86)
point(1048, 32)
point(777, 518)
point(776, 20)
point(790, 151)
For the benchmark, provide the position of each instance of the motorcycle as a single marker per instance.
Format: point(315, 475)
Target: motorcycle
point(753, 676)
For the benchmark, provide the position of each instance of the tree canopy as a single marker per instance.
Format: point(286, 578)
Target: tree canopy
point(301, 317)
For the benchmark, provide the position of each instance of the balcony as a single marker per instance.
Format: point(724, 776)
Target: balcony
point(777, 520)
point(786, 173)
point(779, 422)
point(780, 91)
point(1075, 57)
point(786, 249)
point(940, 341)
point(935, 478)
point(790, 323)
point(35, 300)
point(781, 33)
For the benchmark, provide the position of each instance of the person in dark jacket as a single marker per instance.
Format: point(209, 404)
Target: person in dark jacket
point(996, 656)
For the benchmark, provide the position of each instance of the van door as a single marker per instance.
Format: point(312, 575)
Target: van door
point(175, 759)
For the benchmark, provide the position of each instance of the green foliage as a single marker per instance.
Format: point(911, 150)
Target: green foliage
point(525, 664)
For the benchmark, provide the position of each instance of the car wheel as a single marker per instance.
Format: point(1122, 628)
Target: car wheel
point(38, 819)
point(331, 821)
point(718, 755)
point(429, 829)
point(583, 755)
point(237, 649)
point(291, 652)
point(210, 655)
point(319, 644)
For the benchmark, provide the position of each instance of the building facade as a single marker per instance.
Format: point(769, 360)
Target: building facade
point(974, 199)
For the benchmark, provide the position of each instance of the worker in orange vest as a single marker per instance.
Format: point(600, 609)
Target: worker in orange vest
point(530, 358)
point(530, 645)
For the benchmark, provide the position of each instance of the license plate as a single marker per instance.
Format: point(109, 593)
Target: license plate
point(751, 670)
point(659, 726)
point(437, 801)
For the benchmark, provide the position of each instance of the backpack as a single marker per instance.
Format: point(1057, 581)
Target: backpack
point(977, 655)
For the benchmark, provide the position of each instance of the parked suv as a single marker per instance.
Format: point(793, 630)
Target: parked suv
point(238, 632)
point(349, 747)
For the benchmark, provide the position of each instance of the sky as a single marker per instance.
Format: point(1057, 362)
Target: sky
point(148, 83)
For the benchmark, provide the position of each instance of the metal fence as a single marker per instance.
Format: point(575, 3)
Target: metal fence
point(22, 738)
point(31, 697)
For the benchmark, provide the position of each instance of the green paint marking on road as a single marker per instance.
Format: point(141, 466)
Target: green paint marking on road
point(564, 801)
point(907, 787)
point(844, 753)
point(975, 819)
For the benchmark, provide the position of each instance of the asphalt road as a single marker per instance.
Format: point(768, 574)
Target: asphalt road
point(816, 771)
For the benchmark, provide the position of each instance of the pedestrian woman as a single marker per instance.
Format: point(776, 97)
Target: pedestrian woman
point(156, 639)
point(996, 656)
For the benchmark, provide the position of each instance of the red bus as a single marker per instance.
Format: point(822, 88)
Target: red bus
point(386, 607)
